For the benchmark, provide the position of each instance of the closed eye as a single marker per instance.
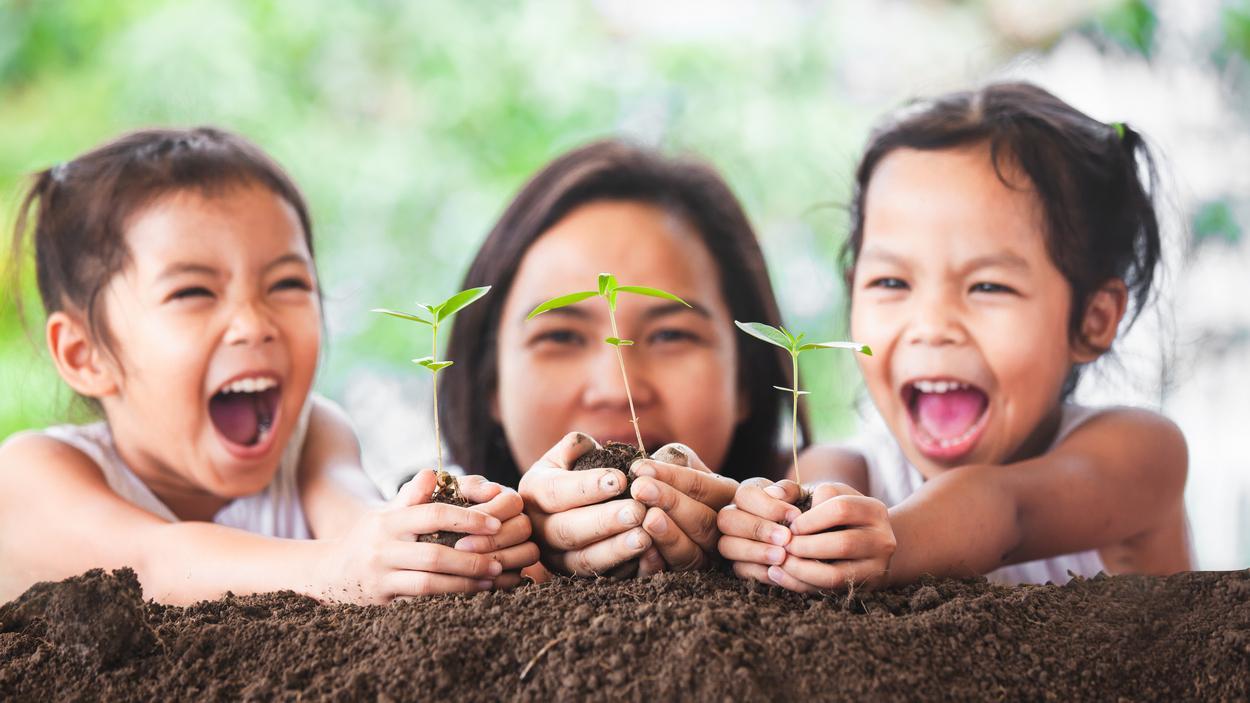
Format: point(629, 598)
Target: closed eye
point(292, 283)
point(190, 292)
point(986, 287)
point(888, 282)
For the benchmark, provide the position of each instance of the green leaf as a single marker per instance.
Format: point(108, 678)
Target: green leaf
point(853, 346)
point(403, 316)
point(607, 282)
point(791, 390)
point(429, 363)
point(459, 301)
point(618, 342)
point(653, 292)
point(768, 333)
point(560, 302)
point(611, 296)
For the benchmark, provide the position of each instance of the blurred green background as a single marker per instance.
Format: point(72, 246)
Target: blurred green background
point(410, 124)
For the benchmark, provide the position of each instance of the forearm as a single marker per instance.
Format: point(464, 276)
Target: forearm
point(963, 523)
point(185, 562)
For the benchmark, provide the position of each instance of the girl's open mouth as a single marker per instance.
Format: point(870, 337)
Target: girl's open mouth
point(948, 416)
point(244, 413)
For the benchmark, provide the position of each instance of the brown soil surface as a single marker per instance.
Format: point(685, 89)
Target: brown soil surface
point(613, 455)
point(671, 637)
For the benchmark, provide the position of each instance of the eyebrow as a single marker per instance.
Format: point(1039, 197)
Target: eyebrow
point(1003, 259)
point(651, 313)
point(184, 267)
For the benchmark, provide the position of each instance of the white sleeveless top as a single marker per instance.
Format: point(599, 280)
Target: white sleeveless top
point(274, 512)
point(891, 479)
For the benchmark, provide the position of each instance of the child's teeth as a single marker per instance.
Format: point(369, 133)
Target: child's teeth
point(250, 385)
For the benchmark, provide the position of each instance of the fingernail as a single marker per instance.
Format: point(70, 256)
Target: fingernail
point(792, 515)
point(609, 484)
point(779, 536)
point(642, 468)
point(495, 568)
point(660, 526)
point(775, 555)
point(647, 491)
point(627, 517)
point(776, 492)
point(485, 584)
point(634, 540)
point(464, 544)
point(775, 574)
point(493, 524)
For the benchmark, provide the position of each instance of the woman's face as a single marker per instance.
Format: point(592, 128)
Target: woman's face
point(557, 375)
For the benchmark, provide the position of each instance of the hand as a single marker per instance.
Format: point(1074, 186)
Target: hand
point(377, 560)
point(511, 546)
point(844, 541)
point(682, 497)
point(575, 531)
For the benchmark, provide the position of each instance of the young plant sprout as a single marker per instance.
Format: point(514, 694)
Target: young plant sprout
point(608, 290)
point(795, 346)
point(432, 316)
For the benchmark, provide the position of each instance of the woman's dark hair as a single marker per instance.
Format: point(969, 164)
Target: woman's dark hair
point(76, 212)
point(1095, 183)
point(615, 171)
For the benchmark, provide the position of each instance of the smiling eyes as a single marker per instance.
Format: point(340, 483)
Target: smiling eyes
point(891, 283)
point(569, 337)
point(193, 292)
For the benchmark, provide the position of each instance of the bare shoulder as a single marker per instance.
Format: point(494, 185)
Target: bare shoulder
point(1134, 437)
point(832, 462)
point(28, 458)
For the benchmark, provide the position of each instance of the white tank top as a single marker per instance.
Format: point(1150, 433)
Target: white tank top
point(274, 512)
point(891, 479)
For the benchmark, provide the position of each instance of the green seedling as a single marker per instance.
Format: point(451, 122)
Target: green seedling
point(608, 289)
point(432, 316)
point(795, 346)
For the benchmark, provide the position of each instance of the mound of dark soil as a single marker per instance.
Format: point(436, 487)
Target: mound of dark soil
point(671, 637)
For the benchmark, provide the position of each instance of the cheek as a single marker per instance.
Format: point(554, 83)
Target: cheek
point(701, 402)
point(535, 404)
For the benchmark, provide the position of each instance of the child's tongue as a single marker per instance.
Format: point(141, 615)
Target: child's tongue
point(948, 415)
point(243, 417)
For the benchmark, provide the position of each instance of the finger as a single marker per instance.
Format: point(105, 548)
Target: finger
point(771, 501)
point(713, 490)
point(680, 455)
point(435, 558)
point(739, 523)
point(650, 563)
point(516, 557)
point(841, 511)
point(556, 490)
point(752, 572)
point(436, 517)
point(514, 531)
point(749, 551)
point(419, 489)
point(779, 577)
point(566, 452)
point(581, 527)
point(842, 544)
point(836, 576)
point(679, 551)
point(600, 557)
point(508, 580)
point(695, 519)
point(504, 504)
point(477, 489)
point(421, 583)
point(824, 491)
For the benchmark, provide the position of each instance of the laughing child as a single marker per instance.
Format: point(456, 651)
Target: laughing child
point(999, 236)
point(176, 271)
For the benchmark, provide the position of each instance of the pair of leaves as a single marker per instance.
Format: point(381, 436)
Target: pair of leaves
point(781, 337)
point(432, 315)
point(429, 363)
point(608, 288)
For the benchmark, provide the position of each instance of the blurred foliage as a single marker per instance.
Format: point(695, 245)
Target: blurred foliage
point(1130, 24)
point(413, 123)
point(1235, 23)
point(1215, 221)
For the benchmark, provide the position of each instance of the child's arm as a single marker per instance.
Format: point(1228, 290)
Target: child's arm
point(58, 517)
point(336, 493)
point(1115, 480)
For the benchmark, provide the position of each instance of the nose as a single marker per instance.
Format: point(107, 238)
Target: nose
point(250, 325)
point(936, 322)
point(605, 388)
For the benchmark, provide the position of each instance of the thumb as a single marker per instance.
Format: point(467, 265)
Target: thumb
point(418, 490)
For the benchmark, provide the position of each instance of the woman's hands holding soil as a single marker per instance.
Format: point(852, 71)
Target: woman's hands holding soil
point(845, 540)
point(378, 560)
point(682, 496)
point(669, 520)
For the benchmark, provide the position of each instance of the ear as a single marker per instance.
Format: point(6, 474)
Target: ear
point(1101, 321)
point(79, 359)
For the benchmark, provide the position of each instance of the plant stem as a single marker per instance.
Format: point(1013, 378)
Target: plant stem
point(621, 360)
point(438, 441)
point(794, 420)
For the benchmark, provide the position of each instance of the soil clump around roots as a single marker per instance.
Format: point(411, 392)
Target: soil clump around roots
point(613, 455)
point(689, 636)
point(446, 491)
